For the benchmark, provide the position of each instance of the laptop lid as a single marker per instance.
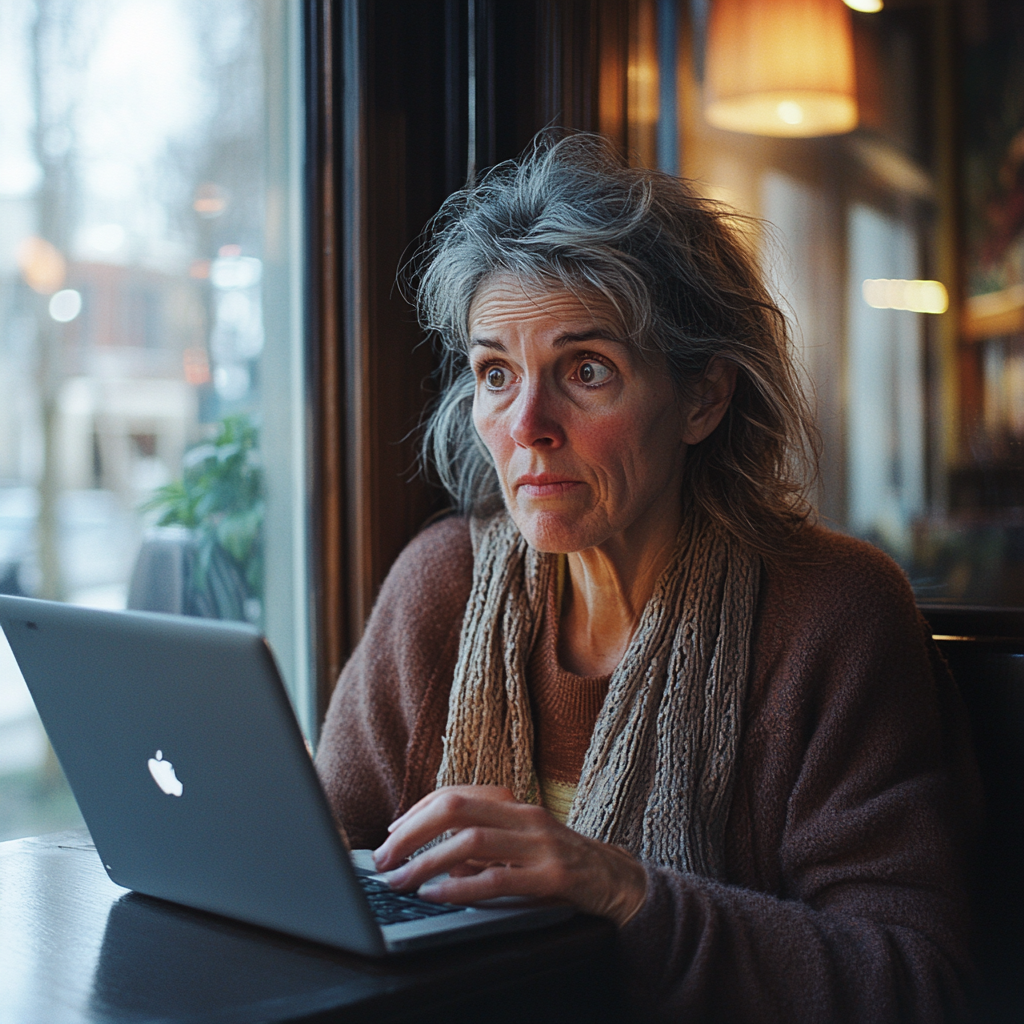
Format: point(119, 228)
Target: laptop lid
point(181, 748)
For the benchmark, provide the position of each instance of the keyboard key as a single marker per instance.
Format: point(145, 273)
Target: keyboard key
point(390, 907)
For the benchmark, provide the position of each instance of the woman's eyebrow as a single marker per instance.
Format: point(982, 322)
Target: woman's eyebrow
point(594, 334)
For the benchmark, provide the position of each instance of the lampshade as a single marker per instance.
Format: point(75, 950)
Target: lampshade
point(780, 67)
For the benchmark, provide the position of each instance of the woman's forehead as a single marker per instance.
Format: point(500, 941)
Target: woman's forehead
point(502, 299)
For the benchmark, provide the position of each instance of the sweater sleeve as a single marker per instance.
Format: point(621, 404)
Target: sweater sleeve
point(381, 738)
point(846, 897)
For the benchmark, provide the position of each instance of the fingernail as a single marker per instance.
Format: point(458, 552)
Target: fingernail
point(397, 877)
point(428, 891)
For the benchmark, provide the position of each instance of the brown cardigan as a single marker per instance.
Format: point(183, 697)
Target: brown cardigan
point(843, 898)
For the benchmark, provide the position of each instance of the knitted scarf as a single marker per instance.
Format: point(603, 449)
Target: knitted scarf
point(658, 774)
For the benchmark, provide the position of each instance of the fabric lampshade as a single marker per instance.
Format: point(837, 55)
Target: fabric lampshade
point(780, 67)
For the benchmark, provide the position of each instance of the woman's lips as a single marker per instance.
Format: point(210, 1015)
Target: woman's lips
point(546, 485)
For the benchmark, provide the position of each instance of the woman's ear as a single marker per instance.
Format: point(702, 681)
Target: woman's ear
point(714, 393)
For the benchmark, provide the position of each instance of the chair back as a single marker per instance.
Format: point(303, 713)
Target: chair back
point(985, 651)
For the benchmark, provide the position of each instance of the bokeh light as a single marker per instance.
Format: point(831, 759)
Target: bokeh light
point(66, 305)
point(916, 296)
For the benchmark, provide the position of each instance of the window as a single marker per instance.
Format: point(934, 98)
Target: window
point(153, 412)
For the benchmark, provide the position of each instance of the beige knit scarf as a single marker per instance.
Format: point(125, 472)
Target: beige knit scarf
point(659, 771)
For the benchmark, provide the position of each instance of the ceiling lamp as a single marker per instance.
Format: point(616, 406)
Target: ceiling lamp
point(780, 67)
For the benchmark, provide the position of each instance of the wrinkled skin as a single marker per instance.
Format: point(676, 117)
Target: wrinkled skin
point(501, 847)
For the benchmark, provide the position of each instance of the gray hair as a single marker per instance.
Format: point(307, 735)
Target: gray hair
point(572, 214)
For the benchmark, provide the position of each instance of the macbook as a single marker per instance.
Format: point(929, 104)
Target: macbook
point(182, 750)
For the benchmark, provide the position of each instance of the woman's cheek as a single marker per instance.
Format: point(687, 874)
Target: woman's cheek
point(599, 441)
point(488, 426)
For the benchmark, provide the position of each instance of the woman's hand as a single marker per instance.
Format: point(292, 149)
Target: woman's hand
point(500, 847)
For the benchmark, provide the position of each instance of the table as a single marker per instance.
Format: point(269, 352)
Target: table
point(76, 948)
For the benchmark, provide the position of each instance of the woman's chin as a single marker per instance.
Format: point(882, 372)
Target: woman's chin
point(555, 532)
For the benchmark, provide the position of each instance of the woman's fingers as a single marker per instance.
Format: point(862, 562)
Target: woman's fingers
point(477, 844)
point(488, 884)
point(450, 810)
point(499, 793)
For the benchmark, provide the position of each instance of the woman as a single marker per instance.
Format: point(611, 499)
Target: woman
point(633, 675)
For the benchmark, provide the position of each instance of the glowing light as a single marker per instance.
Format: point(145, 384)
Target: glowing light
point(916, 296)
point(210, 200)
point(790, 112)
point(42, 265)
point(864, 6)
point(103, 242)
point(66, 305)
point(235, 271)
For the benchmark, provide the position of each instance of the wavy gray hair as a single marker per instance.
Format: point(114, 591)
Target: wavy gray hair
point(572, 214)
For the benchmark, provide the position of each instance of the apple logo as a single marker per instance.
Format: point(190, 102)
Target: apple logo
point(163, 772)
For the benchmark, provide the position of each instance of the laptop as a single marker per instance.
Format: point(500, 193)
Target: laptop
point(182, 750)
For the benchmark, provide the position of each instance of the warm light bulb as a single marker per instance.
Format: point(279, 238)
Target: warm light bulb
point(790, 112)
point(864, 6)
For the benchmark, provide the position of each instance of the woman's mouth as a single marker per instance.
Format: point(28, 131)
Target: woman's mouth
point(546, 485)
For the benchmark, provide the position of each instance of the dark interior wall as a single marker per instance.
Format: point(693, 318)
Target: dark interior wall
point(406, 181)
point(391, 137)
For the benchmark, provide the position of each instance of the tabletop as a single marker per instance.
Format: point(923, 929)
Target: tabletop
point(76, 948)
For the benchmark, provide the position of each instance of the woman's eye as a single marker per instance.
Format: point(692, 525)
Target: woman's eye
point(593, 373)
point(495, 378)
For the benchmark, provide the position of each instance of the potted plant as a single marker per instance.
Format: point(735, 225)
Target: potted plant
point(218, 508)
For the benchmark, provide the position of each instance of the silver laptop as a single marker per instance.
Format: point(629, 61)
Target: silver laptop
point(181, 748)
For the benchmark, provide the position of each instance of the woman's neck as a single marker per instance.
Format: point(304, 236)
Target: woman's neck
point(605, 594)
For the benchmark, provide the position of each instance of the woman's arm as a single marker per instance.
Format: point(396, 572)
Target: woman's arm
point(865, 916)
point(381, 741)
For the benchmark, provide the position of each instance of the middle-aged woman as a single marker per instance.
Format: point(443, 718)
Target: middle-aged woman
point(632, 674)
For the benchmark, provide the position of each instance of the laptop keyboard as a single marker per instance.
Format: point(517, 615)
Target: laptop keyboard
point(390, 907)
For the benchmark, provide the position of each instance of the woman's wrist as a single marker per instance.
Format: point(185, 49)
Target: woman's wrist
point(629, 887)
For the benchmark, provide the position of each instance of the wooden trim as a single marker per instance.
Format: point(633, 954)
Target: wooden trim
point(974, 622)
point(613, 73)
point(355, 289)
point(455, 98)
point(326, 454)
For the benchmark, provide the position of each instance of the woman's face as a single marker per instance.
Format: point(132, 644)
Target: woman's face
point(585, 431)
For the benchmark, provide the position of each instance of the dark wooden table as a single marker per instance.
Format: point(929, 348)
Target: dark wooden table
point(76, 948)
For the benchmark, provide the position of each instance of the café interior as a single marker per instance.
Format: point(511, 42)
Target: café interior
point(204, 210)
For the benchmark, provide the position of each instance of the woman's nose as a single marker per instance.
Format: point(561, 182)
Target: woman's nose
point(534, 422)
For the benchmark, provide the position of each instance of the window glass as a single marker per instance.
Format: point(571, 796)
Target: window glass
point(885, 378)
point(151, 358)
